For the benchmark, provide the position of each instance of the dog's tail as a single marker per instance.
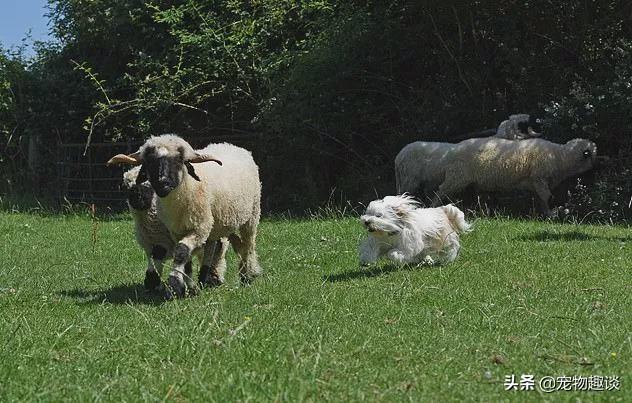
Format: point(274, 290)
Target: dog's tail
point(456, 218)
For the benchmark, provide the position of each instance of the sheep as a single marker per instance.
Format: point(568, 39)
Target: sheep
point(519, 127)
point(419, 165)
point(499, 164)
point(151, 234)
point(219, 198)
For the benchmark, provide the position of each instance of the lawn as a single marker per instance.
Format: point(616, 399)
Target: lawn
point(524, 297)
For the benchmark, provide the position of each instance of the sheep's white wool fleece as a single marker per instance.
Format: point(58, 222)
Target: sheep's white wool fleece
point(495, 163)
point(149, 230)
point(227, 197)
point(421, 164)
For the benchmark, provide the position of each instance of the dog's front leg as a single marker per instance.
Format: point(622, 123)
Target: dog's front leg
point(369, 251)
point(408, 247)
point(397, 256)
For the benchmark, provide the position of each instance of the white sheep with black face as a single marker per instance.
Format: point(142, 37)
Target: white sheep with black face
point(203, 195)
point(520, 126)
point(152, 235)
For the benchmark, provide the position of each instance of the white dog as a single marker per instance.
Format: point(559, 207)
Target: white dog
point(405, 233)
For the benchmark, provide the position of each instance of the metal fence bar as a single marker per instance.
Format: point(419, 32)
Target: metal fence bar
point(85, 179)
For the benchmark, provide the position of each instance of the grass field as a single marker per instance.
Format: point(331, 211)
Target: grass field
point(524, 297)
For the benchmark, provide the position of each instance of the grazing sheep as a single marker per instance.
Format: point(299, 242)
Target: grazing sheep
point(498, 164)
point(519, 127)
point(151, 234)
point(419, 165)
point(220, 197)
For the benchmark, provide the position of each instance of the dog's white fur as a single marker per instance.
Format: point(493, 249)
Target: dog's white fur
point(405, 233)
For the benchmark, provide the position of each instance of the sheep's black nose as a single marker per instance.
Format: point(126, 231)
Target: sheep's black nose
point(163, 190)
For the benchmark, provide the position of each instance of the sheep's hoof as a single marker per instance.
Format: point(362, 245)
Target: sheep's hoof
point(193, 291)
point(167, 294)
point(248, 278)
point(209, 279)
point(214, 281)
point(152, 280)
point(177, 286)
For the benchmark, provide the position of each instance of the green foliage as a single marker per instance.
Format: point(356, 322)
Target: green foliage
point(205, 65)
point(12, 74)
point(599, 105)
point(547, 299)
point(333, 89)
point(380, 76)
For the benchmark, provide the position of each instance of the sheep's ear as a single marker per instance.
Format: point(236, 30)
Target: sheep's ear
point(132, 159)
point(203, 158)
point(191, 171)
point(142, 175)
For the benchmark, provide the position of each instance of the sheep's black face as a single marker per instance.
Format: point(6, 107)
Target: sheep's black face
point(164, 171)
point(139, 196)
point(535, 124)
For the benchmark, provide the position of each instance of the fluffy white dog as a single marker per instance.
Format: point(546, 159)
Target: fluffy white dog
point(405, 233)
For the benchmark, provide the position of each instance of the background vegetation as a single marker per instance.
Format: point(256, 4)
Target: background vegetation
point(326, 92)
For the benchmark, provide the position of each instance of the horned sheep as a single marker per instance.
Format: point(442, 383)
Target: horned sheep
point(519, 127)
point(151, 234)
point(219, 197)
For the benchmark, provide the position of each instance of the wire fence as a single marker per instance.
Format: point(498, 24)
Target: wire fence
point(83, 177)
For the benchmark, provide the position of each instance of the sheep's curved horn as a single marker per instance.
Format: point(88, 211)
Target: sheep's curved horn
point(131, 159)
point(204, 158)
point(533, 133)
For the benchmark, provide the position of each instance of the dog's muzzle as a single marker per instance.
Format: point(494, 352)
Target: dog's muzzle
point(368, 225)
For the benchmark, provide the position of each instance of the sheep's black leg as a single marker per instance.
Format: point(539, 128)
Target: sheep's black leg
point(152, 280)
point(188, 278)
point(181, 255)
point(204, 273)
point(214, 266)
point(152, 276)
point(205, 269)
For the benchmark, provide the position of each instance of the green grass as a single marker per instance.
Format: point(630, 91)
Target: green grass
point(523, 298)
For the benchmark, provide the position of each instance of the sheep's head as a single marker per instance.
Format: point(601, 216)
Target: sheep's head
point(528, 125)
point(583, 154)
point(139, 195)
point(164, 161)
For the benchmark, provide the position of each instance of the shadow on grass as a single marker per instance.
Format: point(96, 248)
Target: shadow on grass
point(120, 294)
point(367, 272)
point(571, 236)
